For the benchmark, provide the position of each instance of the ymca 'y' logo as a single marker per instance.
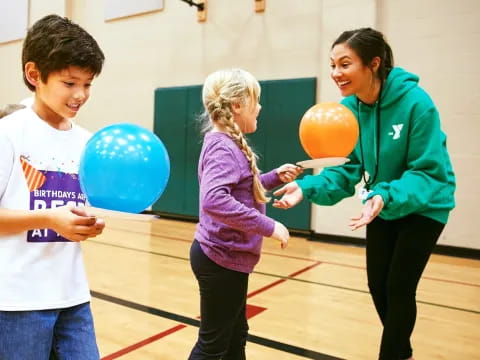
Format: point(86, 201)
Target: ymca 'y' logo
point(396, 131)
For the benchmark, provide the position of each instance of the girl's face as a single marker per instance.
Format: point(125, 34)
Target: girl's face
point(245, 115)
point(349, 72)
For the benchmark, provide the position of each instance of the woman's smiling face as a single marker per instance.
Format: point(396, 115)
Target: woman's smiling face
point(349, 72)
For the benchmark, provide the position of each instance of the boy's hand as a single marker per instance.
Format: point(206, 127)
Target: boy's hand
point(289, 172)
point(99, 224)
point(73, 223)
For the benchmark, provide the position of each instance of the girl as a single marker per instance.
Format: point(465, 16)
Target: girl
point(410, 188)
point(232, 218)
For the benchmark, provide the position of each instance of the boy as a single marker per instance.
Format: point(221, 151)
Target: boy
point(44, 297)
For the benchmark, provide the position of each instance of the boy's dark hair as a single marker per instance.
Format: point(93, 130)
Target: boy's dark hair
point(54, 43)
point(367, 44)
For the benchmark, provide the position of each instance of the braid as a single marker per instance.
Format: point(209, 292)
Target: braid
point(221, 90)
point(236, 134)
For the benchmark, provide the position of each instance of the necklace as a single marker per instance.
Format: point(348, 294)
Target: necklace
point(371, 178)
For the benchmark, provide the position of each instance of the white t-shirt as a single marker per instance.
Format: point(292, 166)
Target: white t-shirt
point(39, 169)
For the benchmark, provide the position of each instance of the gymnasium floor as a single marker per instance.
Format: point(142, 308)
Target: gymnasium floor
point(309, 301)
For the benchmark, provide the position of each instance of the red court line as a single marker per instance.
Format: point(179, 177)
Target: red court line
point(269, 286)
point(144, 342)
point(292, 275)
point(275, 283)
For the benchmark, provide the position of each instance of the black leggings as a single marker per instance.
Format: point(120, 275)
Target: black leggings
point(223, 297)
point(397, 253)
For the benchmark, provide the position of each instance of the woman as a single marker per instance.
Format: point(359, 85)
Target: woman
point(408, 178)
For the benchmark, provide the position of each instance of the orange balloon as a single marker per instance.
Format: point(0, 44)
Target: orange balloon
point(328, 130)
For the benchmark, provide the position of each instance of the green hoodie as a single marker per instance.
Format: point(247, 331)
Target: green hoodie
point(415, 175)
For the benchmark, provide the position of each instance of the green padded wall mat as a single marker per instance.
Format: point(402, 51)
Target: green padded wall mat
point(276, 141)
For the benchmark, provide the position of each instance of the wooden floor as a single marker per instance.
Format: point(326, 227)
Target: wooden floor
point(309, 301)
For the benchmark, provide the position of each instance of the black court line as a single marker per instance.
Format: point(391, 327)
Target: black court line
point(291, 349)
point(286, 277)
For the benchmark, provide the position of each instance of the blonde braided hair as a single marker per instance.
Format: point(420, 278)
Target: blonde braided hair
point(221, 90)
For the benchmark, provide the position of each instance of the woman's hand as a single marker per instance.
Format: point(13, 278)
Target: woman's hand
point(288, 172)
point(370, 211)
point(292, 195)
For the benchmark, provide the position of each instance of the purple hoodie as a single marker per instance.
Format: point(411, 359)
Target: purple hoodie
point(231, 223)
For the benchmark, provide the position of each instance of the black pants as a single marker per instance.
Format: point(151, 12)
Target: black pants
point(223, 296)
point(397, 253)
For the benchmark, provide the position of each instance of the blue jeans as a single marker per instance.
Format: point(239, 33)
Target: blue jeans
point(64, 334)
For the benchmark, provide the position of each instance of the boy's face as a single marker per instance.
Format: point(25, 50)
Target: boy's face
point(62, 95)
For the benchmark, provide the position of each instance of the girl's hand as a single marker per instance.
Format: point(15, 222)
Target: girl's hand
point(370, 211)
point(280, 232)
point(288, 172)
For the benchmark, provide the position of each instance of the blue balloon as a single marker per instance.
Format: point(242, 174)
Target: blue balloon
point(124, 167)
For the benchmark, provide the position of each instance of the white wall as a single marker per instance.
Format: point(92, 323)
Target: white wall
point(440, 43)
point(436, 39)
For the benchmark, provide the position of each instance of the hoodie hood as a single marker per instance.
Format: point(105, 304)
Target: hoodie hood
point(397, 84)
